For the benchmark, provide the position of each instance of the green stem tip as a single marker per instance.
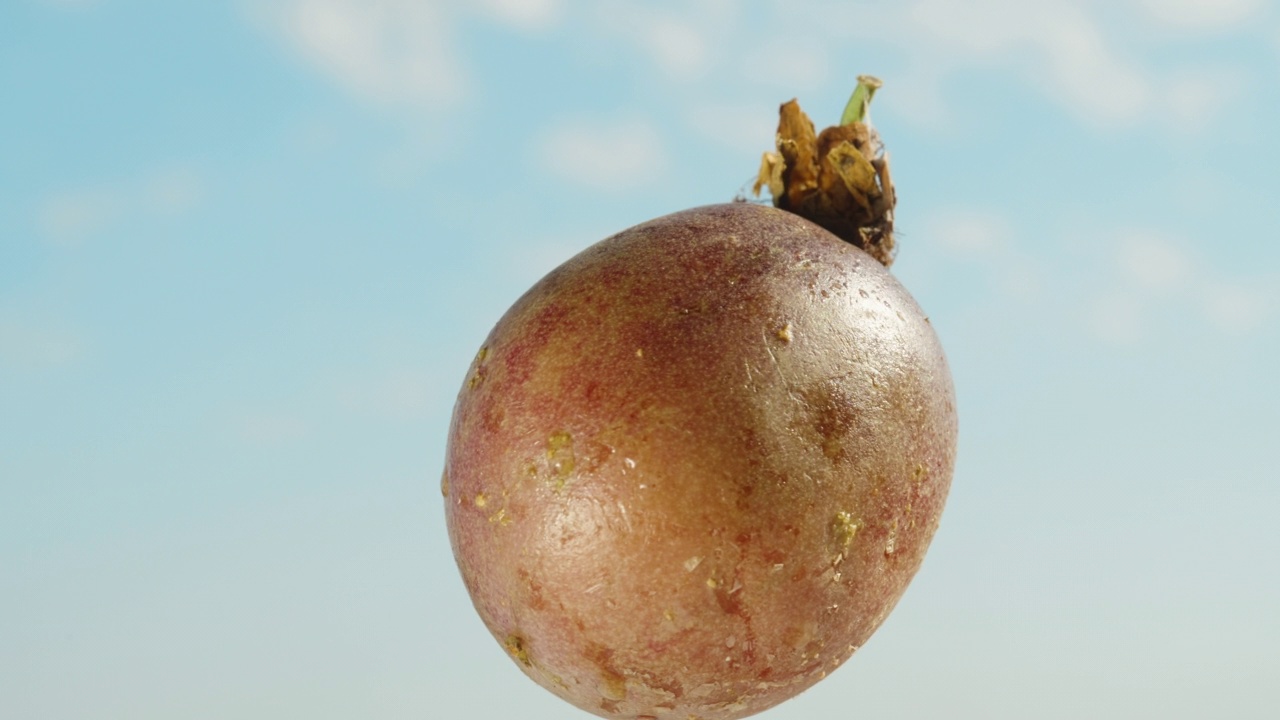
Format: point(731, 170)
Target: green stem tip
point(860, 101)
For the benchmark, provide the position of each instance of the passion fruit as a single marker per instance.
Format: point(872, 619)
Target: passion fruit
point(693, 468)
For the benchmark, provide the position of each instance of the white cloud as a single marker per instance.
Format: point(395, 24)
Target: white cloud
point(969, 232)
point(1157, 273)
point(1153, 263)
point(1202, 15)
point(794, 64)
point(527, 15)
point(685, 46)
point(1069, 52)
point(1236, 309)
point(1196, 97)
point(69, 217)
point(678, 47)
point(73, 216)
point(609, 157)
point(747, 128)
point(986, 239)
point(917, 96)
point(393, 52)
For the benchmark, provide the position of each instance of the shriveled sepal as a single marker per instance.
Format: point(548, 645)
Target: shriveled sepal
point(838, 178)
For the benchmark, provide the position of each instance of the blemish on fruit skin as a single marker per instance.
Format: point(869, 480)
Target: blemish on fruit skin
point(444, 483)
point(518, 649)
point(481, 500)
point(560, 459)
point(692, 563)
point(613, 684)
point(477, 377)
point(891, 544)
point(845, 528)
point(784, 333)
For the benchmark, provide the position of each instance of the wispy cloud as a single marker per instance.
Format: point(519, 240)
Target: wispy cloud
point(72, 216)
point(394, 52)
point(607, 156)
point(1067, 51)
point(1236, 308)
point(685, 45)
point(986, 239)
point(1070, 55)
point(1194, 99)
point(744, 127)
point(1153, 263)
point(793, 64)
point(1157, 273)
point(69, 217)
point(1202, 15)
point(970, 232)
point(526, 15)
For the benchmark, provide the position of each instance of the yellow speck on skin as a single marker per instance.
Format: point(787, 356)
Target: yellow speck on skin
point(668, 614)
point(785, 333)
point(639, 352)
point(712, 583)
point(558, 441)
point(482, 355)
point(515, 645)
point(845, 528)
point(481, 500)
point(444, 483)
point(560, 459)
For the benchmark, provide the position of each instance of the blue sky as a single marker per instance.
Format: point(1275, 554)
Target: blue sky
point(247, 250)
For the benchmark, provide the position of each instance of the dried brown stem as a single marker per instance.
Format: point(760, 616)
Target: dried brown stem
point(838, 178)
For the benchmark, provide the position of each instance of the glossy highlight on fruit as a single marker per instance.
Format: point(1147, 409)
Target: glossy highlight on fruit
point(693, 469)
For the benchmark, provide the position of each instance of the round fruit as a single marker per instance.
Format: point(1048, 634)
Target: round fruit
point(693, 468)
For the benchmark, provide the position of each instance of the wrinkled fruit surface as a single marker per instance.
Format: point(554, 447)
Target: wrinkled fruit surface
point(693, 468)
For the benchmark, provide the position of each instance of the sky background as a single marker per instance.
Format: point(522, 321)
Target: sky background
point(248, 249)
